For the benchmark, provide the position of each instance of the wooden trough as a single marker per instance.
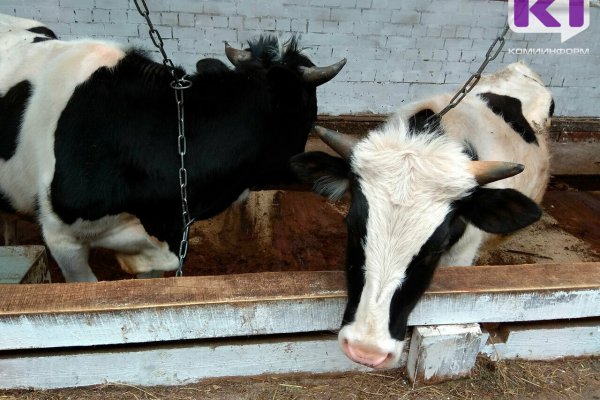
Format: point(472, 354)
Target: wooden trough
point(174, 331)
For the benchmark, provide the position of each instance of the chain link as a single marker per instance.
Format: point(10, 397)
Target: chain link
point(179, 84)
point(491, 55)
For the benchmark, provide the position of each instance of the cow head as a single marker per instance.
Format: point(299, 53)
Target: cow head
point(268, 52)
point(289, 73)
point(292, 80)
point(411, 199)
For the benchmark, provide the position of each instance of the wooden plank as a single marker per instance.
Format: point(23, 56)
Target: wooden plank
point(138, 311)
point(173, 364)
point(23, 264)
point(563, 125)
point(562, 128)
point(39, 271)
point(168, 292)
point(544, 340)
point(575, 158)
point(203, 321)
point(515, 278)
point(269, 286)
point(443, 352)
point(192, 361)
point(575, 128)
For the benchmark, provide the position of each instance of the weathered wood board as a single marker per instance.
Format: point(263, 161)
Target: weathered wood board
point(139, 311)
point(173, 364)
point(569, 158)
point(23, 264)
point(544, 340)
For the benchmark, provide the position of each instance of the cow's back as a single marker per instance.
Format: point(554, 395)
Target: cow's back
point(42, 76)
point(488, 130)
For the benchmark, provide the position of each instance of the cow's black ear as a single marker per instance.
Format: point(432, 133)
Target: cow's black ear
point(500, 211)
point(327, 174)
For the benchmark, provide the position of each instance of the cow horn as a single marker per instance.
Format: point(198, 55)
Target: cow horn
point(236, 56)
point(491, 171)
point(340, 143)
point(320, 75)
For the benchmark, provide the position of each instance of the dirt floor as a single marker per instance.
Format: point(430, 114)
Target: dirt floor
point(571, 379)
point(292, 231)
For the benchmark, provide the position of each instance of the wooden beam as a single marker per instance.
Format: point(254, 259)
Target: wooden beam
point(139, 311)
point(562, 129)
point(150, 310)
point(23, 264)
point(575, 158)
point(547, 340)
point(575, 128)
point(173, 364)
point(167, 292)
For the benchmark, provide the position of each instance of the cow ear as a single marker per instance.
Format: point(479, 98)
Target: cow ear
point(500, 211)
point(327, 174)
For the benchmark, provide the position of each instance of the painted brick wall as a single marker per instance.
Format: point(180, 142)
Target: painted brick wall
point(397, 50)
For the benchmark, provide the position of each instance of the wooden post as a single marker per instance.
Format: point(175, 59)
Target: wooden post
point(443, 352)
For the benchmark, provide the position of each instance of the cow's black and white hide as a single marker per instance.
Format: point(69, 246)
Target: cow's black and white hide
point(419, 200)
point(88, 140)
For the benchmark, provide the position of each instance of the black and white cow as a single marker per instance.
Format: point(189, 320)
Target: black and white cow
point(15, 31)
point(429, 195)
point(88, 139)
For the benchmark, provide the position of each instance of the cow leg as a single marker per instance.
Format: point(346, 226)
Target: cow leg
point(71, 253)
point(137, 252)
point(71, 256)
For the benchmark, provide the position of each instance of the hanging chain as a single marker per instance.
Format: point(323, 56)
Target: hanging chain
point(491, 55)
point(179, 84)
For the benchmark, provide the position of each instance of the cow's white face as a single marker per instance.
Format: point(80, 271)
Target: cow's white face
point(409, 187)
point(416, 202)
point(412, 197)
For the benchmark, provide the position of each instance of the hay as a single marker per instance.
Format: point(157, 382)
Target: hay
point(569, 379)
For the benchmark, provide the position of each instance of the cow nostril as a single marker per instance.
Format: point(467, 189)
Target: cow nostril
point(366, 355)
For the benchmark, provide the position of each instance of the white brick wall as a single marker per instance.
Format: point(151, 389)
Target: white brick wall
point(397, 51)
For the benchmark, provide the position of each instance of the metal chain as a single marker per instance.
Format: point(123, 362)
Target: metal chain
point(491, 55)
point(179, 84)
